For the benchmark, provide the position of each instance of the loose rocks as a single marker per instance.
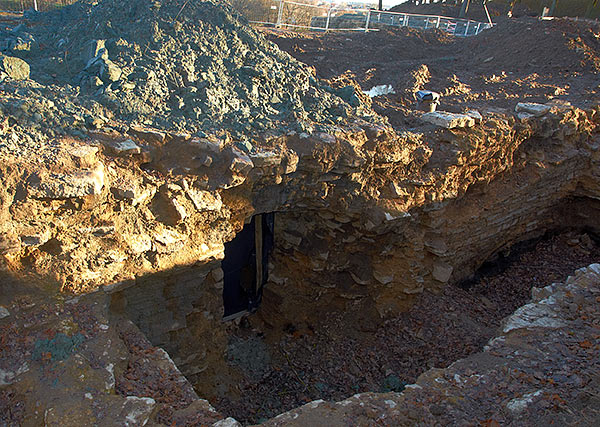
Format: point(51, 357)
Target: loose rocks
point(179, 65)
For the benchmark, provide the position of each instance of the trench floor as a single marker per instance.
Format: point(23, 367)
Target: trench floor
point(279, 368)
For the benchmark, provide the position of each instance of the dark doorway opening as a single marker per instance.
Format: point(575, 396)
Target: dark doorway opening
point(245, 266)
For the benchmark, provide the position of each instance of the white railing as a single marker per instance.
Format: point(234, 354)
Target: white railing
point(295, 15)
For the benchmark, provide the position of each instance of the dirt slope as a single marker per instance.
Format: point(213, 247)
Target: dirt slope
point(518, 60)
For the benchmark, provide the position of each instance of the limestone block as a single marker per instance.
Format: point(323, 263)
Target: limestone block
point(292, 162)
point(266, 159)
point(241, 164)
point(537, 110)
point(125, 147)
point(66, 186)
point(15, 68)
point(203, 200)
point(442, 271)
point(534, 315)
point(227, 422)
point(168, 237)
point(214, 146)
point(520, 404)
point(383, 277)
point(136, 195)
point(524, 116)
point(436, 245)
point(84, 155)
point(111, 71)
point(148, 135)
point(476, 115)
point(449, 120)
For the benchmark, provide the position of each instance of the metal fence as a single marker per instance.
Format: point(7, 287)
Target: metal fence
point(41, 5)
point(295, 15)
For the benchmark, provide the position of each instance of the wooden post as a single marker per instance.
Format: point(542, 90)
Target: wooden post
point(258, 244)
point(487, 12)
point(464, 9)
point(368, 19)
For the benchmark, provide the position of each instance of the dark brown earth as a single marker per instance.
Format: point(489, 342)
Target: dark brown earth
point(332, 358)
point(521, 60)
point(496, 9)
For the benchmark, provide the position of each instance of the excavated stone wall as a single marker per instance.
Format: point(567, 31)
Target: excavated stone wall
point(512, 381)
point(370, 256)
point(124, 174)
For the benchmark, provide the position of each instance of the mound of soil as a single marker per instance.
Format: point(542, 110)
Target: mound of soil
point(519, 60)
point(551, 48)
point(173, 64)
point(497, 9)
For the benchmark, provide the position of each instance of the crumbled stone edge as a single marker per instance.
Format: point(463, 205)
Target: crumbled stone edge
point(549, 310)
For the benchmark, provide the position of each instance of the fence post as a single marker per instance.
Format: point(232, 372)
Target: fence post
point(467, 28)
point(437, 24)
point(327, 22)
point(368, 19)
point(405, 21)
point(279, 14)
point(478, 27)
point(427, 23)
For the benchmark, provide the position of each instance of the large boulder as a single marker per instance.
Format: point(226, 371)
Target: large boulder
point(14, 68)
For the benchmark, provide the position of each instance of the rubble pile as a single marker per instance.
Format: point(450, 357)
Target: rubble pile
point(186, 66)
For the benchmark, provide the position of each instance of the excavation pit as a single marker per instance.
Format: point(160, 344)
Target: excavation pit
point(315, 337)
point(144, 140)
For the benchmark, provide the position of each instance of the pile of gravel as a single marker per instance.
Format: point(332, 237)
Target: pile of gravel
point(183, 65)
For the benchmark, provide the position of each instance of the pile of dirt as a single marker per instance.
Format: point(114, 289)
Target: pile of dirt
point(551, 48)
point(497, 9)
point(174, 64)
point(519, 60)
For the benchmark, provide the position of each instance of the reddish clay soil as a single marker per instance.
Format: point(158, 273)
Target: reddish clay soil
point(519, 60)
